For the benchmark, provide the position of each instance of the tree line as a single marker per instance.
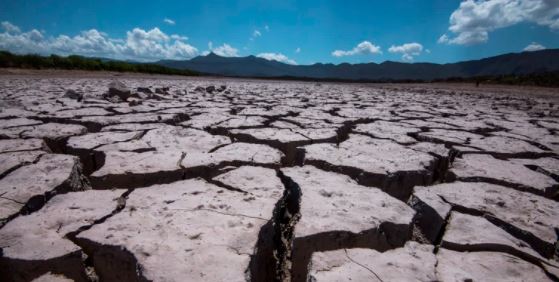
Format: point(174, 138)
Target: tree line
point(74, 62)
point(543, 79)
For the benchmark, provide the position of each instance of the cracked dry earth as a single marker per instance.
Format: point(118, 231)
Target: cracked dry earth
point(185, 180)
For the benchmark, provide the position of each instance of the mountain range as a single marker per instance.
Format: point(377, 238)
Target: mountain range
point(251, 66)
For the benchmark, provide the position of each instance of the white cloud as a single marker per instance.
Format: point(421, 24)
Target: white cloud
point(169, 21)
point(138, 34)
point(179, 37)
point(362, 48)
point(138, 44)
point(9, 27)
point(411, 48)
point(254, 35)
point(226, 50)
point(534, 47)
point(474, 19)
point(466, 38)
point(258, 33)
point(276, 57)
point(408, 50)
point(443, 39)
point(154, 44)
point(298, 50)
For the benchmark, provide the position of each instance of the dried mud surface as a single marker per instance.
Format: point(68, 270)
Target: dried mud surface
point(153, 178)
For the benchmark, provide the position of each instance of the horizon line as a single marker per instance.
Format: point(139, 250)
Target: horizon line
point(271, 60)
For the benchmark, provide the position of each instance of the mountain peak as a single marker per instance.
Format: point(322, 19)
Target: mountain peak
point(212, 55)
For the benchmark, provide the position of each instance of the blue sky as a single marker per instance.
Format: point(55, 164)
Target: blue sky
point(302, 32)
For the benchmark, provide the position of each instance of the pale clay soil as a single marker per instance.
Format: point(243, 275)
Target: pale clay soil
point(210, 179)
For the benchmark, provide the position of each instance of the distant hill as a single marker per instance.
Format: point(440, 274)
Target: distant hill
point(524, 63)
point(538, 68)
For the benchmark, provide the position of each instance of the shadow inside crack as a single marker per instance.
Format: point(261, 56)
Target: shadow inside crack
point(16, 270)
point(112, 263)
point(386, 237)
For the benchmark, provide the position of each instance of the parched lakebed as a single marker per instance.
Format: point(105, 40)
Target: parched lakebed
point(146, 178)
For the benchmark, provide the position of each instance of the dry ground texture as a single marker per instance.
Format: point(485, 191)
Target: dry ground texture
point(208, 179)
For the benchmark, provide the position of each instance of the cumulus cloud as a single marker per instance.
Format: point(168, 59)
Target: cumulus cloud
point(408, 50)
point(276, 57)
point(139, 44)
point(362, 48)
point(534, 47)
point(474, 19)
point(465, 38)
point(169, 21)
point(178, 37)
point(9, 27)
point(224, 50)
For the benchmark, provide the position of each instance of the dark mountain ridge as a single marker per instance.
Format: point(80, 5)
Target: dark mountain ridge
point(508, 64)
